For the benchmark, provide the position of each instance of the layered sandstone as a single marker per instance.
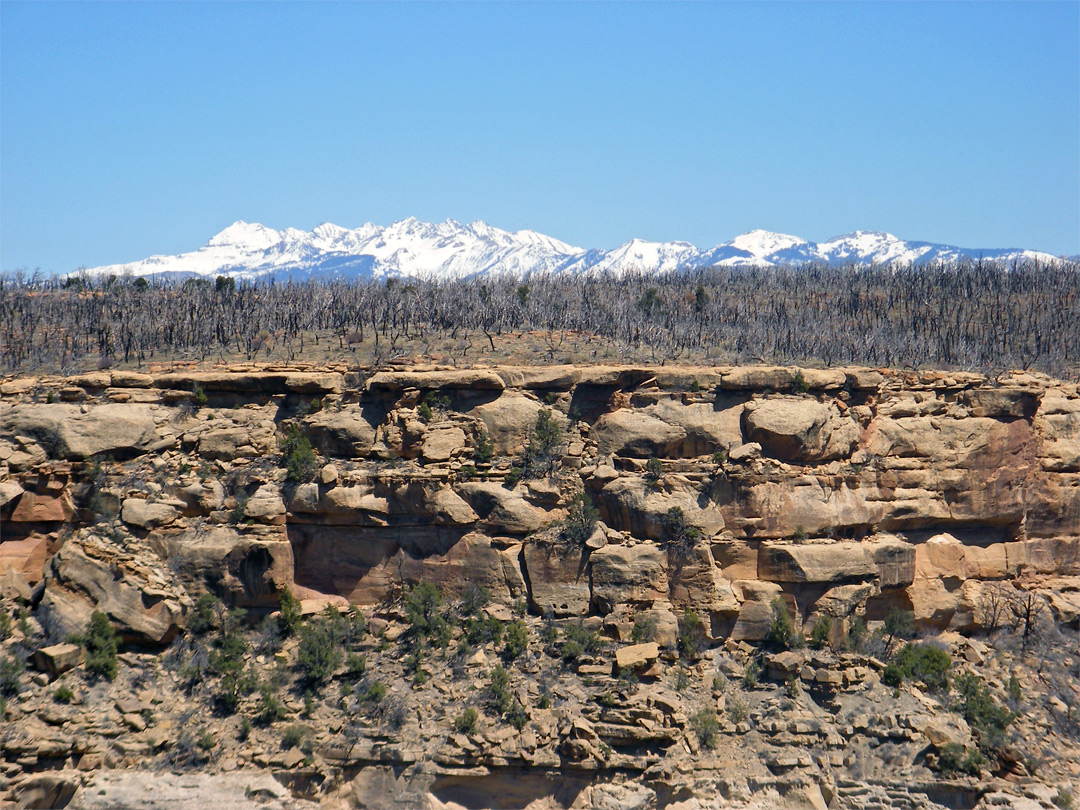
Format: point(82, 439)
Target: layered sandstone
point(853, 490)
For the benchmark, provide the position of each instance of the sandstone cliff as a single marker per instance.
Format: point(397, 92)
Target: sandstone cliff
point(845, 492)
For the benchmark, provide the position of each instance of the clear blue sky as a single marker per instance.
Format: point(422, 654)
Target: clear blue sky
point(130, 129)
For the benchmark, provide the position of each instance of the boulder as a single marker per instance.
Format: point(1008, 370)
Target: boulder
point(254, 383)
point(248, 567)
point(442, 443)
point(227, 443)
point(266, 505)
point(473, 560)
point(633, 504)
point(447, 507)
point(759, 378)
point(9, 491)
point(708, 426)
point(13, 585)
point(697, 583)
point(130, 379)
point(799, 429)
point(628, 575)
point(815, 562)
point(85, 576)
point(467, 379)
point(557, 578)
point(637, 656)
point(616, 796)
point(344, 434)
point(65, 432)
point(932, 602)
point(756, 613)
point(147, 514)
point(49, 790)
point(58, 659)
point(508, 420)
point(944, 728)
point(1001, 403)
point(744, 452)
point(505, 511)
point(753, 623)
point(26, 557)
point(895, 560)
point(940, 556)
point(43, 507)
point(783, 665)
point(844, 600)
point(630, 432)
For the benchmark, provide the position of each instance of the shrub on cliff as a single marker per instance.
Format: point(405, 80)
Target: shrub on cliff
point(577, 641)
point(580, 521)
point(988, 718)
point(226, 659)
point(679, 536)
point(782, 634)
point(899, 624)
point(422, 611)
point(298, 455)
point(692, 636)
point(289, 615)
point(100, 644)
point(318, 654)
point(644, 628)
point(517, 640)
point(955, 758)
point(11, 670)
point(204, 616)
point(465, 723)
point(483, 448)
point(539, 456)
point(499, 690)
point(706, 726)
point(819, 636)
point(920, 662)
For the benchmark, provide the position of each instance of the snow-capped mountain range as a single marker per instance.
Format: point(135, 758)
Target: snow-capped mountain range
point(450, 249)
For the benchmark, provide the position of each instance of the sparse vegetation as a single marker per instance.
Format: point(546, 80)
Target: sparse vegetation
point(298, 455)
point(465, 723)
point(692, 638)
point(11, 670)
point(819, 635)
point(706, 726)
point(919, 662)
point(644, 628)
point(539, 457)
point(580, 521)
point(319, 653)
point(782, 634)
point(578, 641)
point(289, 614)
point(100, 644)
point(679, 535)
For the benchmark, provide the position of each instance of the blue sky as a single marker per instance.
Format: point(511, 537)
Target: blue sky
point(130, 129)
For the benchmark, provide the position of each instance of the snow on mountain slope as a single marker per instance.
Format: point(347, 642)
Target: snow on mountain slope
point(451, 249)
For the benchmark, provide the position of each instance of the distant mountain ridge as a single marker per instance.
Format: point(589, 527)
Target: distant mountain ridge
point(450, 249)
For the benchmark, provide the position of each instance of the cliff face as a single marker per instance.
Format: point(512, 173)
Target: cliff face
point(604, 511)
point(849, 491)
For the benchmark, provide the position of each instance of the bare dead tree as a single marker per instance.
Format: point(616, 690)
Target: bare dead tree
point(967, 315)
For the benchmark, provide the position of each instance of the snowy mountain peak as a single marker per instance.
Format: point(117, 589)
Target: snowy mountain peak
point(763, 243)
point(411, 247)
point(242, 233)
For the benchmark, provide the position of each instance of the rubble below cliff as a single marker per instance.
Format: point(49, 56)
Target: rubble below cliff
point(642, 534)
